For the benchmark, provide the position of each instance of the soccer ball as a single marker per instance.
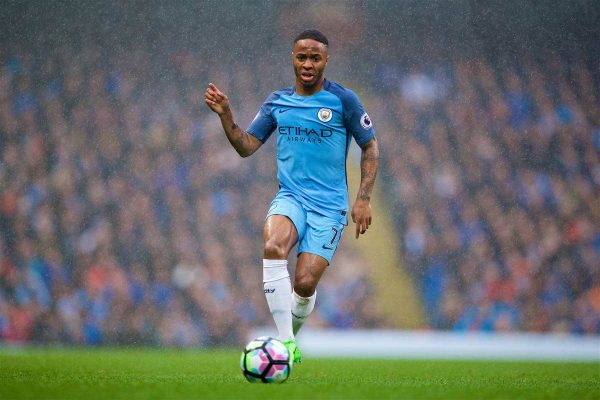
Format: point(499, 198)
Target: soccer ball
point(266, 360)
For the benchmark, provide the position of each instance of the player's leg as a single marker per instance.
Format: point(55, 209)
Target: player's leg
point(309, 269)
point(280, 235)
point(284, 226)
point(316, 249)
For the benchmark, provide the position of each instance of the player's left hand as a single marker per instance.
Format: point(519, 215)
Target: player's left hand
point(361, 216)
point(216, 100)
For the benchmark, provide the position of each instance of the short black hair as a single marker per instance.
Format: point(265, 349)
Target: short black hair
point(314, 35)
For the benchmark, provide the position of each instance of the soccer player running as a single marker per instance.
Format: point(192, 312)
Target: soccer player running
point(315, 120)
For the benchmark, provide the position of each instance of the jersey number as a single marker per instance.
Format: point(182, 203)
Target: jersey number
point(335, 233)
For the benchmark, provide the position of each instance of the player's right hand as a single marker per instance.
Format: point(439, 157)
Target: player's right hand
point(216, 100)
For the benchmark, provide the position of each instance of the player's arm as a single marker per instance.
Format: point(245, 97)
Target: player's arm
point(244, 143)
point(369, 163)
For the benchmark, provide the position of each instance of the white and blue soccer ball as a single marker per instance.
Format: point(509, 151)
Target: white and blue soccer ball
point(266, 360)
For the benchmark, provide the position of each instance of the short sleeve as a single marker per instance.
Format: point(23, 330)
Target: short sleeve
point(263, 124)
point(357, 121)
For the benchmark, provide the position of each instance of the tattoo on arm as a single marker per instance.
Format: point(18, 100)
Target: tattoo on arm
point(364, 194)
point(239, 140)
point(369, 163)
point(237, 137)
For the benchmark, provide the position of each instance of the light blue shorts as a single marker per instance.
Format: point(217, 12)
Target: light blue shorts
point(317, 233)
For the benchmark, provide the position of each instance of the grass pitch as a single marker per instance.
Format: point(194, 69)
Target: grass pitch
point(199, 374)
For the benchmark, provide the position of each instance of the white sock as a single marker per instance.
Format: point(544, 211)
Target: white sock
point(301, 309)
point(277, 286)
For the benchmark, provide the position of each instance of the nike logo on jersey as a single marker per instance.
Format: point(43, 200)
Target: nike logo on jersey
point(328, 248)
point(282, 110)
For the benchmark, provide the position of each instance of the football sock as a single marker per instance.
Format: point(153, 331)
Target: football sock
point(277, 287)
point(301, 309)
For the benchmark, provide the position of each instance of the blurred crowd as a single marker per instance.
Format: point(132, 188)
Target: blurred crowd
point(125, 215)
point(127, 218)
point(494, 170)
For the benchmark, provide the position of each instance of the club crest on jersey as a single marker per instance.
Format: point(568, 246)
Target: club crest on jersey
point(365, 121)
point(325, 114)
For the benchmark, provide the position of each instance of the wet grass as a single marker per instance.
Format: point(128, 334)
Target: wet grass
point(90, 374)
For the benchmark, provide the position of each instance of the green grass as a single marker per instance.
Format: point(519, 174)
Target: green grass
point(90, 374)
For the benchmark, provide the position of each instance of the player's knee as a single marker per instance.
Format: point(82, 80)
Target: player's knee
point(274, 250)
point(305, 286)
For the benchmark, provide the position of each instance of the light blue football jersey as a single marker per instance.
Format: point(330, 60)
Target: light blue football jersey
point(313, 138)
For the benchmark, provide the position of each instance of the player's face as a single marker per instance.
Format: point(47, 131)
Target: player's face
point(310, 58)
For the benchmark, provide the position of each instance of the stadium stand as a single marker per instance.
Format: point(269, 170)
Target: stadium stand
point(498, 190)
